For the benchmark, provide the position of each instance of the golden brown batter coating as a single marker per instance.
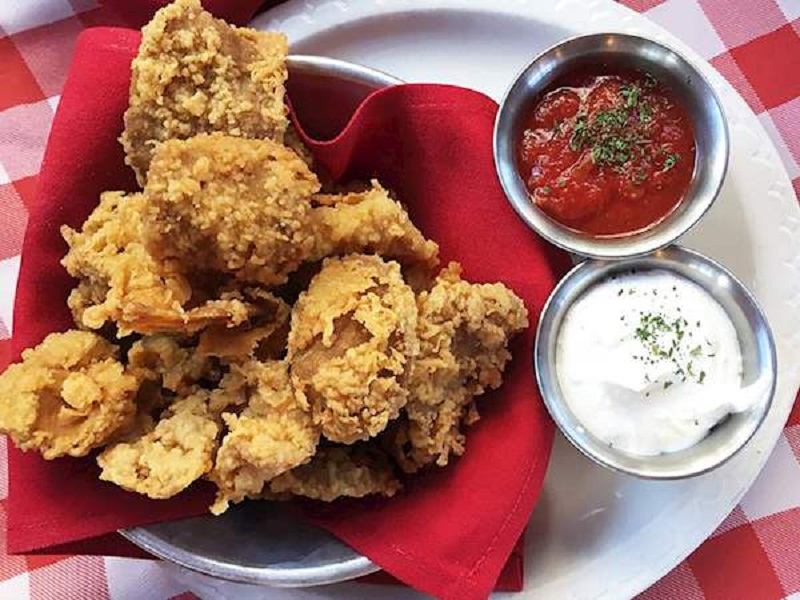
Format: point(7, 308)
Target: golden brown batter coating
point(166, 460)
point(353, 334)
point(197, 74)
point(274, 433)
point(339, 472)
point(69, 395)
point(463, 332)
point(370, 222)
point(171, 362)
point(118, 277)
point(231, 205)
point(121, 282)
point(262, 337)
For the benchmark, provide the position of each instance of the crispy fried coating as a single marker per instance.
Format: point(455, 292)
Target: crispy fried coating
point(231, 205)
point(151, 399)
point(197, 74)
point(121, 282)
point(352, 336)
point(69, 395)
point(340, 471)
point(166, 460)
point(118, 277)
point(173, 363)
point(463, 332)
point(84, 296)
point(262, 337)
point(292, 141)
point(226, 312)
point(370, 222)
point(274, 433)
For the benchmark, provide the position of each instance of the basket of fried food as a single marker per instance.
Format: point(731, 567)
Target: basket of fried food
point(238, 321)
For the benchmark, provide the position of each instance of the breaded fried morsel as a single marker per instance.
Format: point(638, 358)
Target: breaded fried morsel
point(352, 336)
point(166, 460)
point(121, 282)
point(197, 74)
point(370, 222)
point(118, 276)
point(463, 332)
point(174, 365)
point(338, 472)
point(69, 395)
point(230, 205)
point(274, 433)
point(262, 337)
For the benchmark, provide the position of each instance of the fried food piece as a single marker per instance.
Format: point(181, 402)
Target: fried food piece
point(274, 433)
point(292, 141)
point(175, 365)
point(263, 336)
point(370, 222)
point(121, 282)
point(84, 296)
point(166, 460)
point(69, 395)
point(231, 205)
point(151, 400)
point(227, 312)
point(352, 336)
point(197, 74)
point(463, 331)
point(340, 471)
point(118, 276)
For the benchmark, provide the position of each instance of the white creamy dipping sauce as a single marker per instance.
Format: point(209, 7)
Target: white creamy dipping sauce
point(649, 362)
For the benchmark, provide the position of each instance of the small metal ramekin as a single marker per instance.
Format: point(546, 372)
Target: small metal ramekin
point(627, 51)
point(758, 362)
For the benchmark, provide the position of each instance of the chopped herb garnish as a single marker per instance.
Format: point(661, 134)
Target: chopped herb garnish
point(662, 337)
point(671, 160)
point(630, 94)
point(611, 150)
point(640, 176)
point(645, 112)
point(611, 119)
point(579, 133)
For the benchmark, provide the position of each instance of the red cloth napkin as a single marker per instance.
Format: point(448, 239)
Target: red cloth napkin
point(452, 531)
point(138, 12)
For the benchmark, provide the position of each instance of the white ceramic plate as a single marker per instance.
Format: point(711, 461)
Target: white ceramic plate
point(594, 534)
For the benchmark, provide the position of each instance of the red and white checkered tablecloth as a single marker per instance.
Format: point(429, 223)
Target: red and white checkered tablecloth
point(755, 44)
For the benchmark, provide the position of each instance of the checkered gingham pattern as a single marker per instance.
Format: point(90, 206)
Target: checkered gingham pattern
point(754, 43)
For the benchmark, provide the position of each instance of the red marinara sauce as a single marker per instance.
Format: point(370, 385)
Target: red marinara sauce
point(607, 154)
